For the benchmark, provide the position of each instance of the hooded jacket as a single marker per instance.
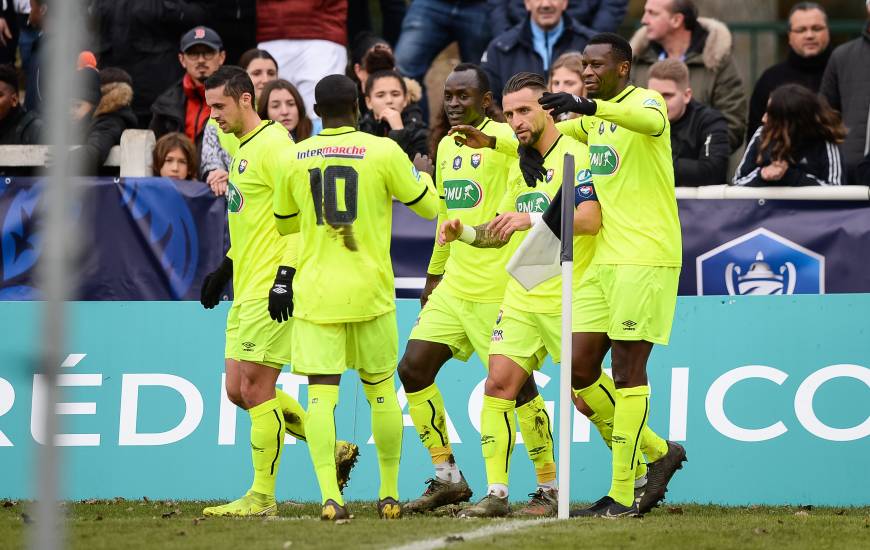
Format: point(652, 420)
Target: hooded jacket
point(20, 127)
point(413, 138)
point(170, 113)
point(713, 76)
point(806, 71)
point(846, 85)
point(112, 116)
point(512, 51)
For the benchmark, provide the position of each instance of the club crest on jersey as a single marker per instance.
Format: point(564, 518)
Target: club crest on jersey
point(604, 160)
point(235, 199)
point(243, 164)
point(532, 203)
point(461, 194)
point(550, 175)
point(457, 162)
point(475, 160)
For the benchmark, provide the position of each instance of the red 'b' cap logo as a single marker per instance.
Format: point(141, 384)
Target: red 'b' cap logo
point(199, 33)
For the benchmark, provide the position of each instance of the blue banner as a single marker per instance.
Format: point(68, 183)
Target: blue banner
point(769, 395)
point(142, 238)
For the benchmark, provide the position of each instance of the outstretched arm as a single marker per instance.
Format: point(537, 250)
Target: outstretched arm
point(494, 234)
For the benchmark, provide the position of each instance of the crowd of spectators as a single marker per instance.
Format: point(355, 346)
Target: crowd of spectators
point(806, 122)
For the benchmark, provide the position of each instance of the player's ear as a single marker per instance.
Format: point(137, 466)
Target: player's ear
point(486, 101)
point(624, 69)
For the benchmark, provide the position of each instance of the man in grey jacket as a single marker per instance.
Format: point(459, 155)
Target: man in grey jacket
point(846, 85)
point(672, 29)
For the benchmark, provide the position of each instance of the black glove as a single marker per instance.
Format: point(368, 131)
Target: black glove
point(281, 295)
point(564, 102)
point(214, 283)
point(531, 165)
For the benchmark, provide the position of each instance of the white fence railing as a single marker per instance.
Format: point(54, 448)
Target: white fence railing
point(133, 156)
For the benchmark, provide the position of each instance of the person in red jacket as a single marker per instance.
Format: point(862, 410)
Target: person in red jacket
point(307, 37)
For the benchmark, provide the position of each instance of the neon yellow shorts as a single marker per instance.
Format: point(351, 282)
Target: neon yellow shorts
point(368, 346)
point(464, 326)
point(526, 338)
point(253, 336)
point(628, 302)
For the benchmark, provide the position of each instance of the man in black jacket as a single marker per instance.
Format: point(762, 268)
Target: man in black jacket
point(699, 134)
point(533, 45)
point(17, 127)
point(809, 48)
point(142, 38)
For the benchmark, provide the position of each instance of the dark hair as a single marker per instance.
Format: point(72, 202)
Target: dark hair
point(483, 83)
point(235, 81)
point(370, 82)
point(523, 80)
point(115, 74)
point(170, 141)
point(253, 54)
point(378, 59)
point(303, 127)
point(796, 115)
point(362, 44)
point(335, 95)
point(9, 75)
point(688, 10)
point(618, 45)
point(804, 6)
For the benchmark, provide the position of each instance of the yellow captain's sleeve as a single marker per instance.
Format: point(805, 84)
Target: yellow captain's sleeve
point(574, 128)
point(290, 246)
point(413, 188)
point(440, 254)
point(515, 186)
point(647, 114)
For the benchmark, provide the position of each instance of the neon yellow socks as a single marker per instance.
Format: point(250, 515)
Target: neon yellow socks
point(320, 429)
point(538, 437)
point(387, 430)
point(294, 415)
point(497, 436)
point(267, 441)
point(632, 411)
point(427, 411)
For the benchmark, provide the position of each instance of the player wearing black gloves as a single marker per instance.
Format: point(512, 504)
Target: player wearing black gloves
point(564, 102)
point(281, 295)
point(214, 283)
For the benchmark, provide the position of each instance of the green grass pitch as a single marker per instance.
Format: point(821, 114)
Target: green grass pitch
point(130, 524)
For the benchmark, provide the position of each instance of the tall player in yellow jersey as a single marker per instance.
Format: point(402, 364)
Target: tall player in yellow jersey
point(458, 315)
point(528, 325)
point(337, 194)
point(627, 297)
point(256, 348)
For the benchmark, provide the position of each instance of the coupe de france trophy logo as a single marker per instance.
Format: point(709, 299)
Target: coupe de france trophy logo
point(760, 262)
point(760, 279)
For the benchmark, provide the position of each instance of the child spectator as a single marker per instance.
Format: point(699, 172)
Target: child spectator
point(566, 75)
point(174, 157)
point(796, 143)
point(282, 103)
point(393, 114)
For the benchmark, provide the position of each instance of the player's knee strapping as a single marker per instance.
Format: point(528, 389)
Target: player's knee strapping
point(430, 419)
point(387, 430)
point(632, 411)
point(294, 414)
point(320, 428)
point(537, 433)
point(497, 437)
point(267, 441)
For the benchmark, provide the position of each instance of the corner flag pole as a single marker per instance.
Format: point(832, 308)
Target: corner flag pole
point(566, 403)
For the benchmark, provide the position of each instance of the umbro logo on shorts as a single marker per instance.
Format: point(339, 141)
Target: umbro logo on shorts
point(629, 325)
point(249, 345)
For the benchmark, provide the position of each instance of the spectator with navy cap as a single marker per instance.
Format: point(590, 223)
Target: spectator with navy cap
point(182, 108)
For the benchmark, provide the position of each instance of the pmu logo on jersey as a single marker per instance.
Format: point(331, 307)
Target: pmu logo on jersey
point(235, 199)
point(243, 164)
point(760, 262)
point(461, 194)
point(533, 202)
point(604, 160)
point(457, 162)
point(475, 160)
